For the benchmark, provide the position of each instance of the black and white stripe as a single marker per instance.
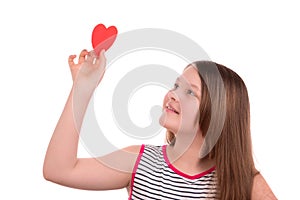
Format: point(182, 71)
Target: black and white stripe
point(154, 179)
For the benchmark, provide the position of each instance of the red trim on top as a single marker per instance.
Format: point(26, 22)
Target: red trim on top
point(164, 148)
point(138, 159)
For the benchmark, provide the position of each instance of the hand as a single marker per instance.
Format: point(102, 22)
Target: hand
point(89, 69)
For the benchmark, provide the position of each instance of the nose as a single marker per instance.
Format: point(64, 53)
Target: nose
point(172, 96)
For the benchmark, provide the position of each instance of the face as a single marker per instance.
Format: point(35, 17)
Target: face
point(181, 103)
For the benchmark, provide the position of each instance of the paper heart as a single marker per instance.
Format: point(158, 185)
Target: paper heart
point(103, 38)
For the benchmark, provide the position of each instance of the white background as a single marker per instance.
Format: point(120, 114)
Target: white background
point(259, 40)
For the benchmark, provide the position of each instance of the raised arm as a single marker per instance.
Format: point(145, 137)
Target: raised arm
point(61, 164)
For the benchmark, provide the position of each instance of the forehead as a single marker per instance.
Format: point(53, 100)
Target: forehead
point(191, 75)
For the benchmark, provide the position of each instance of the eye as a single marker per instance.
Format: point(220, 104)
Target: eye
point(175, 86)
point(190, 92)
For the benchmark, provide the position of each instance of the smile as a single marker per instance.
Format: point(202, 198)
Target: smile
point(171, 109)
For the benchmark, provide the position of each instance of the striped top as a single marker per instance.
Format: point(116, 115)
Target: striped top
point(154, 177)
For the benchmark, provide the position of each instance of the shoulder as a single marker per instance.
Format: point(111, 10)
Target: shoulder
point(261, 189)
point(145, 151)
point(134, 149)
point(138, 151)
point(140, 148)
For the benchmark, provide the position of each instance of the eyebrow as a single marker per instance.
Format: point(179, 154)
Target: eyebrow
point(192, 85)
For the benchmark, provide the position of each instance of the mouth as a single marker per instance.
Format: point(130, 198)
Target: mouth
point(169, 108)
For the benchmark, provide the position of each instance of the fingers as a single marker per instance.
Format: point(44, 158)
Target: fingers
point(91, 57)
point(81, 58)
point(82, 55)
point(97, 60)
point(71, 60)
point(101, 60)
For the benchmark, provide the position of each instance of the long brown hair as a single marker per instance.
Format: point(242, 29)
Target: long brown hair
point(232, 147)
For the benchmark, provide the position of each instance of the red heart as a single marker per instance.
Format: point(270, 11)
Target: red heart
point(103, 38)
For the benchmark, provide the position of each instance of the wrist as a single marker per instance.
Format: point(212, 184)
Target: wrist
point(83, 91)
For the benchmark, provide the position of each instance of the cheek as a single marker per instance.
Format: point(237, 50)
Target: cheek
point(190, 112)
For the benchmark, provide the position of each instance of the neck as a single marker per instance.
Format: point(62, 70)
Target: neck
point(187, 146)
point(186, 152)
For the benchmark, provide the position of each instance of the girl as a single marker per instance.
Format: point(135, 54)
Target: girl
point(208, 155)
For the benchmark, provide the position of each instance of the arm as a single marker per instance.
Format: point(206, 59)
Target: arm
point(61, 164)
point(261, 189)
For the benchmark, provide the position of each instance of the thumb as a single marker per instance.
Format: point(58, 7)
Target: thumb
point(102, 59)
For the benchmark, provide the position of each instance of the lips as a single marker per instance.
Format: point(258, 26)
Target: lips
point(171, 109)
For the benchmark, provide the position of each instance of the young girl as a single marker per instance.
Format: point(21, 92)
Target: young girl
point(209, 153)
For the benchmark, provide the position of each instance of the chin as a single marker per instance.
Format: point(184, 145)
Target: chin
point(170, 125)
